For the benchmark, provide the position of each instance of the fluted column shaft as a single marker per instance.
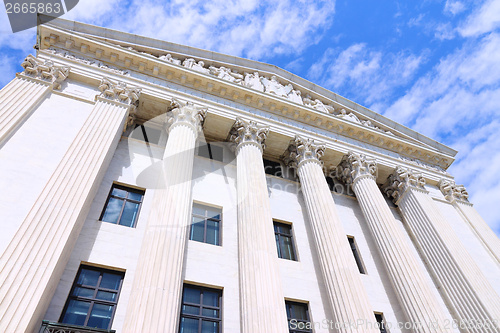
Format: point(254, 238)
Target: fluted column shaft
point(34, 260)
point(416, 298)
point(469, 295)
point(345, 290)
point(458, 196)
point(156, 291)
point(19, 97)
point(262, 303)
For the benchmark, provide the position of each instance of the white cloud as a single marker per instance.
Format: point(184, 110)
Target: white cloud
point(484, 19)
point(454, 7)
point(371, 74)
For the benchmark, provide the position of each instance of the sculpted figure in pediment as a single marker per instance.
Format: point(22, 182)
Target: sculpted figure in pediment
point(253, 80)
point(350, 117)
point(168, 57)
point(274, 87)
point(200, 67)
point(295, 96)
point(226, 74)
point(188, 63)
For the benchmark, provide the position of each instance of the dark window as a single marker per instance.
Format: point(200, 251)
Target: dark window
point(201, 310)
point(355, 252)
point(381, 322)
point(273, 168)
point(298, 317)
point(122, 206)
point(93, 298)
point(210, 151)
point(284, 241)
point(147, 134)
point(206, 224)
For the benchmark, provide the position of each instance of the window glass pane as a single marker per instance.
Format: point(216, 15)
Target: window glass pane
point(198, 210)
point(191, 295)
point(83, 292)
point(287, 250)
point(100, 316)
point(135, 196)
point(203, 150)
point(213, 213)
point(210, 313)
point(88, 277)
point(129, 213)
point(189, 325)
point(197, 229)
point(113, 210)
point(217, 153)
point(209, 327)
point(76, 312)
point(211, 298)
point(106, 296)
point(110, 281)
point(299, 311)
point(213, 232)
point(119, 192)
point(189, 309)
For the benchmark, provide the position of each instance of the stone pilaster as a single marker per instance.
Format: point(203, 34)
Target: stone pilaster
point(415, 296)
point(470, 297)
point(262, 302)
point(346, 294)
point(34, 260)
point(19, 97)
point(459, 198)
point(157, 288)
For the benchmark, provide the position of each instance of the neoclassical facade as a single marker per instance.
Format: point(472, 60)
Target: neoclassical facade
point(155, 187)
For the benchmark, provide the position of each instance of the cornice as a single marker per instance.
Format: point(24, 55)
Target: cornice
point(108, 56)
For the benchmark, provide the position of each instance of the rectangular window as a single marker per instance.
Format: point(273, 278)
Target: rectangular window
point(273, 168)
point(355, 252)
point(284, 241)
point(93, 298)
point(206, 224)
point(210, 151)
point(122, 206)
point(381, 322)
point(201, 310)
point(147, 134)
point(298, 317)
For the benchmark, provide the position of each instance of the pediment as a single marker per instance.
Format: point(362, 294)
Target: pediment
point(265, 86)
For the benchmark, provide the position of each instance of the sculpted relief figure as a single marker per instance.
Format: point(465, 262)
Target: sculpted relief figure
point(274, 87)
point(188, 63)
point(170, 59)
point(253, 80)
point(226, 74)
point(350, 117)
point(200, 67)
point(295, 96)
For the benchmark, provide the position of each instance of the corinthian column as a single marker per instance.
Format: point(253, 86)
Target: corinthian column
point(345, 291)
point(459, 198)
point(156, 291)
point(469, 295)
point(28, 88)
point(33, 262)
point(415, 296)
point(261, 296)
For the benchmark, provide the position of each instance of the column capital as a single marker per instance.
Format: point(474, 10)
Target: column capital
point(119, 92)
point(44, 70)
point(248, 132)
point(185, 113)
point(302, 150)
point(353, 166)
point(453, 192)
point(400, 181)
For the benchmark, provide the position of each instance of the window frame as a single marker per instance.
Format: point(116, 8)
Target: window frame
point(93, 300)
point(210, 146)
point(382, 322)
point(205, 223)
point(281, 235)
point(357, 256)
point(126, 199)
point(201, 306)
point(308, 315)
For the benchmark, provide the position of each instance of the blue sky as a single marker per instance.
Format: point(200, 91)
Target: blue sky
point(432, 65)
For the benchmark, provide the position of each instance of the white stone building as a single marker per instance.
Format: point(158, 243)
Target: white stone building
point(155, 187)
